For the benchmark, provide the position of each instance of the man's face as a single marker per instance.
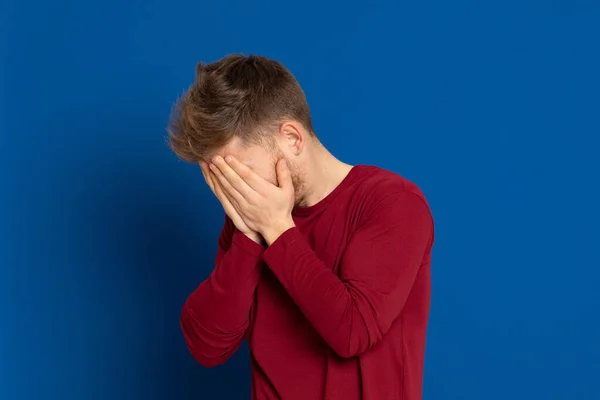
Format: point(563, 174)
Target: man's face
point(263, 162)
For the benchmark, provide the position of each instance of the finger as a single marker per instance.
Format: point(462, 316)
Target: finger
point(284, 176)
point(213, 181)
point(225, 172)
point(225, 198)
point(219, 188)
point(226, 185)
point(251, 178)
point(221, 194)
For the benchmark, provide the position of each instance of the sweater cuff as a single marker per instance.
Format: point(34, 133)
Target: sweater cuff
point(278, 249)
point(248, 245)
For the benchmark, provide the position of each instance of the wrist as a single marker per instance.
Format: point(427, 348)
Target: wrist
point(274, 231)
point(254, 236)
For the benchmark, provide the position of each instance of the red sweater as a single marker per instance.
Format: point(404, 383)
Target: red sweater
point(337, 307)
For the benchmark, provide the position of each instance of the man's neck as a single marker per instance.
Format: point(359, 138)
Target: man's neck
point(322, 174)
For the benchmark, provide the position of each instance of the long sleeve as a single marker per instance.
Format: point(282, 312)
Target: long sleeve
point(215, 316)
point(354, 310)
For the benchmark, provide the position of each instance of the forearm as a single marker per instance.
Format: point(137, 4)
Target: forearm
point(215, 316)
point(352, 311)
point(334, 308)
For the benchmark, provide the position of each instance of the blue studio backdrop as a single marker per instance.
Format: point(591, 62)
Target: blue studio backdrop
point(492, 108)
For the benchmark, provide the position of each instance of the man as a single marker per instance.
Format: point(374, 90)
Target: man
point(322, 266)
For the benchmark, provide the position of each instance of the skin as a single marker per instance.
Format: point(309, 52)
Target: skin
point(258, 187)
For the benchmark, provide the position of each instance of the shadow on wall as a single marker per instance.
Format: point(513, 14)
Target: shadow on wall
point(141, 232)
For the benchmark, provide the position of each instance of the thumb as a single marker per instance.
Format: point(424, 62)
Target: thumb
point(284, 176)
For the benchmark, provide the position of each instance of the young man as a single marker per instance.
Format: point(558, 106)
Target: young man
point(322, 266)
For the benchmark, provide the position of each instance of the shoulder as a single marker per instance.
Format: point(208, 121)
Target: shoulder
point(384, 197)
point(376, 184)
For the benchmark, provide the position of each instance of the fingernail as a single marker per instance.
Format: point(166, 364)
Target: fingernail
point(228, 158)
point(213, 167)
point(283, 164)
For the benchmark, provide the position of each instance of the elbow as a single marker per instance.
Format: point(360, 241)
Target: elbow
point(204, 355)
point(206, 348)
point(207, 362)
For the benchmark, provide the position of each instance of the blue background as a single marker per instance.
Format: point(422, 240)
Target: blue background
point(492, 108)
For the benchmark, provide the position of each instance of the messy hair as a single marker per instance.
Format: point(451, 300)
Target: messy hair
point(237, 96)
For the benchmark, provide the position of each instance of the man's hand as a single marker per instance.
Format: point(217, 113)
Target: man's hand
point(264, 207)
point(226, 202)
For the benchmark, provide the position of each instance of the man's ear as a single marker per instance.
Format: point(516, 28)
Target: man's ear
point(292, 136)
